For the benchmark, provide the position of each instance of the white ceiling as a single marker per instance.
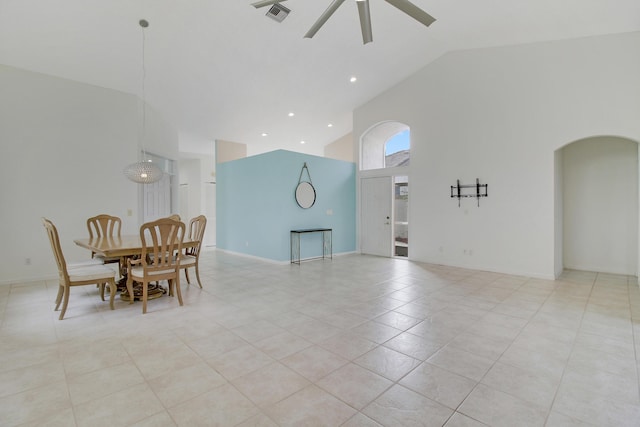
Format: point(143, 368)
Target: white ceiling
point(221, 69)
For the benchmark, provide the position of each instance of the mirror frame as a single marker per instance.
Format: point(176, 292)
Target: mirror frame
point(305, 195)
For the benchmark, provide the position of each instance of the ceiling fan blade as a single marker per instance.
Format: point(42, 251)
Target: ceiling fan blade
point(365, 21)
point(413, 11)
point(264, 3)
point(323, 18)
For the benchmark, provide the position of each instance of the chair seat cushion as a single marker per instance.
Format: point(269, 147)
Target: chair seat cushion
point(188, 260)
point(91, 272)
point(138, 272)
point(83, 263)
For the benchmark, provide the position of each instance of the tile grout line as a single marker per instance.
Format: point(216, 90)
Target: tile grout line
point(573, 346)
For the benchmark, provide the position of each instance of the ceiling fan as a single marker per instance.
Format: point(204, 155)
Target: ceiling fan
point(365, 18)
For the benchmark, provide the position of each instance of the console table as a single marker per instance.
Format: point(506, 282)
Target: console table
point(327, 244)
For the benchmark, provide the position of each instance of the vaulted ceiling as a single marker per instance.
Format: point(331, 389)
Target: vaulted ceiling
point(221, 69)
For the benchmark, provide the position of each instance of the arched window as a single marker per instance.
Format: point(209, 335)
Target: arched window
point(396, 150)
point(386, 145)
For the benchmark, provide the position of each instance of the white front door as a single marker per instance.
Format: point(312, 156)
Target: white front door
point(375, 216)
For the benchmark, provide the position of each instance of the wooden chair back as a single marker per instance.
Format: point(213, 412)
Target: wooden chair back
point(54, 240)
point(104, 226)
point(161, 244)
point(197, 226)
point(191, 256)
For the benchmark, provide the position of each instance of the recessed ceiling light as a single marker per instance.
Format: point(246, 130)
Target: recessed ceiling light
point(330, 125)
point(302, 142)
point(353, 79)
point(264, 134)
point(291, 114)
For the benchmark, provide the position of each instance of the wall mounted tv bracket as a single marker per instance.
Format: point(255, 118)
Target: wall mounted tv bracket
point(461, 191)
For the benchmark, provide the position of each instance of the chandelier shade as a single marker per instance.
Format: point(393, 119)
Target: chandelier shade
point(143, 172)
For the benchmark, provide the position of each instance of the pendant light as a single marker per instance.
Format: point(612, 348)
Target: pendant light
point(143, 172)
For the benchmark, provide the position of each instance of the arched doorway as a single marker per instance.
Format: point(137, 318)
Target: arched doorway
point(384, 190)
point(597, 206)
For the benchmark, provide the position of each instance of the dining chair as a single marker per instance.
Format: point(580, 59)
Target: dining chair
point(191, 256)
point(159, 260)
point(77, 274)
point(106, 226)
point(175, 217)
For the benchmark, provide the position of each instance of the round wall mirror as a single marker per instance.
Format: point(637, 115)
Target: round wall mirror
point(305, 195)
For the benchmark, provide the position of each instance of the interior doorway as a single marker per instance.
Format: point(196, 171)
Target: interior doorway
point(597, 206)
point(198, 191)
point(401, 216)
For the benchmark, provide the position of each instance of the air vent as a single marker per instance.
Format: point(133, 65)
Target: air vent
point(278, 12)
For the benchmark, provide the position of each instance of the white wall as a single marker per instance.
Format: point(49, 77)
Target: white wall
point(499, 114)
point(601, 205)
point(559, 213)
point(63, 148)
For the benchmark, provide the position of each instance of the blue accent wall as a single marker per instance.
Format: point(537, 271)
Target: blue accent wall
point(256, 206)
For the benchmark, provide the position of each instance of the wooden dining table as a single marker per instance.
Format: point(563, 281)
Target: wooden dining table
point(127, 246)
point(123, 246)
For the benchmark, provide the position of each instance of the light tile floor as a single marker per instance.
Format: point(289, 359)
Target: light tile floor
point(353, 341)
